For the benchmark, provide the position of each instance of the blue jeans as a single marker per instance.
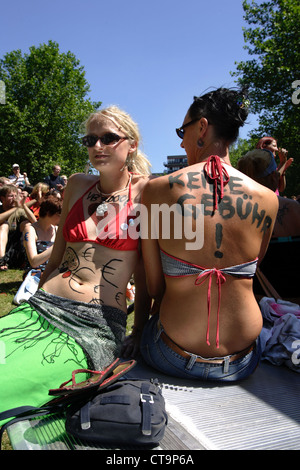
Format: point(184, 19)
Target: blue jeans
point(160, 356)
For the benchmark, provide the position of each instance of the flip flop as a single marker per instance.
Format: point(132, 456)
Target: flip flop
point(98, 379)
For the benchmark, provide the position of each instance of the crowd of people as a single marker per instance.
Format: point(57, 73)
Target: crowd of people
point(20, 205)
point(195, 312)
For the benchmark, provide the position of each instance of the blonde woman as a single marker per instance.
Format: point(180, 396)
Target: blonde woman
point(78, 317)
point(38, 192)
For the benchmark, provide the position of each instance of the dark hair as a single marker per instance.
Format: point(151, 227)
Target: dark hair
point(51, 205)
point(225, 109)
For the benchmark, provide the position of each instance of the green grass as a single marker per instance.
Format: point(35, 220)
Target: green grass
point(10, 282)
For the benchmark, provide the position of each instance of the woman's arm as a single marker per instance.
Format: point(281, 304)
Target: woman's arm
point(142, 307)
point(5, 215)
point(150, 248)
point(149, 282)
point(59, 246)
point(28, 213)
point(29, 240)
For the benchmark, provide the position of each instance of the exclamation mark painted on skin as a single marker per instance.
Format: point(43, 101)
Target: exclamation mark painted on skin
point(219, 235)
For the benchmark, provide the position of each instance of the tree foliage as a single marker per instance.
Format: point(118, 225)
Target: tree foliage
point(45, 104)
point(272, 75)
point(238, 149)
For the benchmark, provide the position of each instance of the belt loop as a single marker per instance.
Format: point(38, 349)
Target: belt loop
point(226, 364)
point(191, 362)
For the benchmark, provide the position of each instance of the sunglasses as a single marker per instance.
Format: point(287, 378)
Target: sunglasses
point(180, 130)
point(110, 139)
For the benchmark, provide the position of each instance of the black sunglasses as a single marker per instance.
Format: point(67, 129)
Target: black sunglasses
point(110, 138)
point(180, 130)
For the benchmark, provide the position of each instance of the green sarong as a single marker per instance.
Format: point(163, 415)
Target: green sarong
point(39, 353)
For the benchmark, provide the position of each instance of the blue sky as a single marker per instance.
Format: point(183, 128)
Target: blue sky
point(148, 57)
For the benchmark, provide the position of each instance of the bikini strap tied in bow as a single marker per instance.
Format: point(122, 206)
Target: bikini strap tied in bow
point(216, 172)
point(220, 279)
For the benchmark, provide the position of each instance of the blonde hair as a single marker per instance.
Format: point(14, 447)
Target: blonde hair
point(39, 186)
point(136, 162)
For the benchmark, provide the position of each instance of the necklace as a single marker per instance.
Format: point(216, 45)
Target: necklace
point(103, 207)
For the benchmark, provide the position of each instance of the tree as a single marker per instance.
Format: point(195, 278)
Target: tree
point(45, 105)
point(238, 149)
point(273, 75)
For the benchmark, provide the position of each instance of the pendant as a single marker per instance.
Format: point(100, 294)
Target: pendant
point(125, 226)
point(101, 209)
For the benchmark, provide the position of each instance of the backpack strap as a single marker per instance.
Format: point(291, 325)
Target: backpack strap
point(146, 401)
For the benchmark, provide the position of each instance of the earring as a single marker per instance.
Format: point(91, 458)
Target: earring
point(88, 168)
point(200, 143)
point(129, 162)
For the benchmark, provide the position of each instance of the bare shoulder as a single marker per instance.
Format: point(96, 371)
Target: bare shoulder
point(138, 185)
point(156, 182)
point(255, 189)
point(78, 183)
point(82, 178)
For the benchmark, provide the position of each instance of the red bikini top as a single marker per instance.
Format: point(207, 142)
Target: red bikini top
point(117, 232)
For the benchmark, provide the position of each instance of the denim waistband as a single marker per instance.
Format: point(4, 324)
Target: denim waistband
point(211, 360)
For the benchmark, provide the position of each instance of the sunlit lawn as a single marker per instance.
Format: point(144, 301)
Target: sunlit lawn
point(10, 282)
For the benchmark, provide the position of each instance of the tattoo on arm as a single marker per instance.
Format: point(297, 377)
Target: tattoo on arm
point(282, 212)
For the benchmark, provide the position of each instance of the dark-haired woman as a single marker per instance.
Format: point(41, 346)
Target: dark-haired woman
point(208, 322)
point(38, 238)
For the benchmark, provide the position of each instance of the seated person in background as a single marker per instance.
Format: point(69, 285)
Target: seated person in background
point(54, 181)
point(209, 322)
point(19, 179)
point(261, 167)
point(39, 191)
point(55, 192)
point(269, 143)
point(3, 182)
point(38, 238)
point(280, 264)
point(14, 215)
point(65, 178)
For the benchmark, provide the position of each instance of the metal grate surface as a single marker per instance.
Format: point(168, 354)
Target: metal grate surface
point(261, 412)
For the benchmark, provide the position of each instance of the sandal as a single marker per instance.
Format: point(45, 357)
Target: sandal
point(99, 379)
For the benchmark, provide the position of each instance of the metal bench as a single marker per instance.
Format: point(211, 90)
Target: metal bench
point(260, 413)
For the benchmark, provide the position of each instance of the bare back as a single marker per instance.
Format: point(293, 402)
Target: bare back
point(236, 232)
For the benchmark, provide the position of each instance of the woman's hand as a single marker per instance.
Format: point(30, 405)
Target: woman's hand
point(131, 344)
